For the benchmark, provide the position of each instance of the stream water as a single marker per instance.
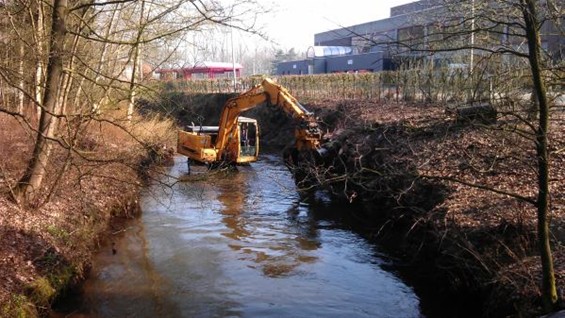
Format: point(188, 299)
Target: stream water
point(241, 244)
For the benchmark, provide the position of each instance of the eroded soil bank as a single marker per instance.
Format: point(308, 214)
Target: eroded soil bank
point(46, 246)
point(445, 195)
point(454, 193)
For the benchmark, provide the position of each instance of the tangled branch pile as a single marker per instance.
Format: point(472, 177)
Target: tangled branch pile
point(460, 193)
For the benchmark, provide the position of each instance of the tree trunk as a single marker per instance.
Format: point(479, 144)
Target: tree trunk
point(29, 185)
point(21, 73)
point(102, 63)
point(135, 67)
point(39, 38)
point(133, 82)
point(549, 291)
point(67, 81)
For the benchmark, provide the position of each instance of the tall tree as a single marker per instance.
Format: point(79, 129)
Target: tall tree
point(84, 49)
point(532, 26)
point(40, 41)
point(478, 34)
point(31, 182)
point(500, 39)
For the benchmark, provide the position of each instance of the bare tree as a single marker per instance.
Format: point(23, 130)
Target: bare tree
point(530, 9)
point(482, 35)
point(33, 177)
point(83, 52)
point(492, 55)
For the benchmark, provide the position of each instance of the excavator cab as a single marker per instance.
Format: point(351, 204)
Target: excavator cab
point(248, 132)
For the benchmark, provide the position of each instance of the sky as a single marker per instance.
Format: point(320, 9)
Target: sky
point(293, 23)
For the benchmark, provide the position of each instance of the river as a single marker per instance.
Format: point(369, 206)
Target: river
point(241, 244)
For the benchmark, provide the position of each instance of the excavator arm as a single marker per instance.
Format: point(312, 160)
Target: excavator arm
point(307, 133)
point(228, 141)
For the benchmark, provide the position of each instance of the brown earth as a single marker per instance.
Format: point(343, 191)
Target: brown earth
point(437, 174)
point(45, 247)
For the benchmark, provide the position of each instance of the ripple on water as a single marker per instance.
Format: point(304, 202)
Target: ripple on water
point(245, 245)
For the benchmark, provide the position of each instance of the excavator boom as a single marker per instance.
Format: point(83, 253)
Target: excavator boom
point(235, 140)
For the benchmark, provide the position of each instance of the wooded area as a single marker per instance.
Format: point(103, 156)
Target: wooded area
point(70, 65)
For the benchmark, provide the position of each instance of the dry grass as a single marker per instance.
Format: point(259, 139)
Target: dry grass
point(154, 130)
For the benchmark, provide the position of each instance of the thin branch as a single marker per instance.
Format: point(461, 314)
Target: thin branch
point(482, 187)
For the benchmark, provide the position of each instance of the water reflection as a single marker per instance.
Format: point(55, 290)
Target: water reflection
point(107, 295)
point(256, 229)
point(242, 245)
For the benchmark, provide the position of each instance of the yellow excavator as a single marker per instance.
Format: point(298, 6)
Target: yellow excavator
point(236, 139)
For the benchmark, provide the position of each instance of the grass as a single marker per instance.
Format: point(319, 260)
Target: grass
point(41, 292)
point(18, 306)
point(59, 233)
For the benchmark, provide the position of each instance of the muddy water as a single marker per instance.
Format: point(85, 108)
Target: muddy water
point(241, 245)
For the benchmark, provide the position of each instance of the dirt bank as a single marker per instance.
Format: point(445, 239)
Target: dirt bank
point(276, 126)
point(45, 248)
point(473, 248)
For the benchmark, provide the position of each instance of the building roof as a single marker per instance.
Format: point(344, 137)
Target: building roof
point(400, 17)
point(204, 67)
point(321, 51)
point(217, 65)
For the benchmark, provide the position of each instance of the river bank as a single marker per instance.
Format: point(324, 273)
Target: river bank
point(463, 245)
point(456, 192)
point(45, 248)
point(457, 217)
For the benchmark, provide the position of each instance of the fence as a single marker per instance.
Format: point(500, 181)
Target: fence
point(415, 85)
